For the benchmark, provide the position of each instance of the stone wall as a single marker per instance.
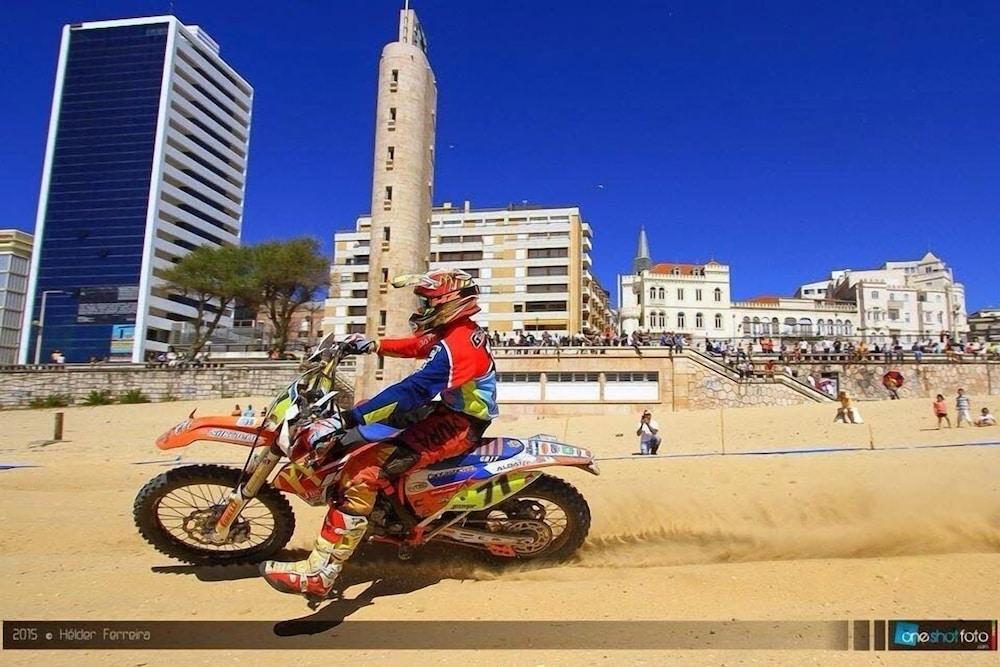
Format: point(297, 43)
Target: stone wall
point(19, 387)
point(924, 380)
point(709, 389)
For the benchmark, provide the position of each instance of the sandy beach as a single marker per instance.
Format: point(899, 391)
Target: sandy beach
point(890, 525)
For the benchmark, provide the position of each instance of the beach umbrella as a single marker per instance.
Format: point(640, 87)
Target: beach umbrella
point(895, 376)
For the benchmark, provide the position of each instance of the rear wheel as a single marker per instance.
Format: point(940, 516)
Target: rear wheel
point(176, 511)
point(550, 510)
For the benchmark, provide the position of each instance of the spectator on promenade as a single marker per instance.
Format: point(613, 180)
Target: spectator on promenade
point(941, 411)
point(636, 342)
point(58, 357)
point(679, 342)
point(918, 351)
point(985, 418)
point(769, 369)
point(964, 409)
point(811, 380)
point(649, 434)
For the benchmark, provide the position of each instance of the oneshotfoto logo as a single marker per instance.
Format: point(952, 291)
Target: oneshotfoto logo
point(943, 635)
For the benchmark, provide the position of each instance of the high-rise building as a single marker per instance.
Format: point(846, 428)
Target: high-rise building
point(15, 260)
point(402, 183)
point(532, 264)
point(145, 161)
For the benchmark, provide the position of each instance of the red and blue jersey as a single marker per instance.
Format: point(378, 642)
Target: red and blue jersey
point(459, 367)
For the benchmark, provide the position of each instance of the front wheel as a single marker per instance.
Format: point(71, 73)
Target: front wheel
point(176, 513)
point(550, 510)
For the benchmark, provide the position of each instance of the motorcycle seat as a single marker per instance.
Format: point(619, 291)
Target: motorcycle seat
point(490, 450)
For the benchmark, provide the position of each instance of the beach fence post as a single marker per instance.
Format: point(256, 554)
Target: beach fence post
point(722, 429)
point(871, 437)
point(58, 431)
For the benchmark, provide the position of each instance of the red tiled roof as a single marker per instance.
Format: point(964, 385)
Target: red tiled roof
point(666, 267)
point(764, 298)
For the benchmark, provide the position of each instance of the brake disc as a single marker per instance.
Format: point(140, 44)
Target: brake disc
point(539, 531)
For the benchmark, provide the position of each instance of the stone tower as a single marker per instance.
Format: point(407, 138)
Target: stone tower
point(642, 261)
point(402, 182)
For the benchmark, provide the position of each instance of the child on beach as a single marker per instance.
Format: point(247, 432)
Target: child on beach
point(964, 409)
point(985, 418)
point(941, 411)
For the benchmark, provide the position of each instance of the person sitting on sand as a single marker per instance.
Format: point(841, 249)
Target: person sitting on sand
point(985, 418)
point(847, 413)
point(941, 411)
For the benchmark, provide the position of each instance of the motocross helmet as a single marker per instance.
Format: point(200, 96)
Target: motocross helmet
point(443, 295)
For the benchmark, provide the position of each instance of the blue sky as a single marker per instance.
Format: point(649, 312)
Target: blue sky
point(785, 138)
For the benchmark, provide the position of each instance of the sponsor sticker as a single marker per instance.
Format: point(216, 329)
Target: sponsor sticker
point(232, 435)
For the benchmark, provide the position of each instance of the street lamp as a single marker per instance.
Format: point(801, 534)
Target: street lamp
point(41, 322)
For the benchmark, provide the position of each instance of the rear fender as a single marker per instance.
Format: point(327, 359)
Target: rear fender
point(544, 452)
point(231, 430)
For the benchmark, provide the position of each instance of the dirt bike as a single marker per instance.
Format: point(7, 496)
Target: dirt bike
point(493, 498)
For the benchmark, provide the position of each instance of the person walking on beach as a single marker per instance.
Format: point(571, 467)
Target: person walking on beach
point(964, 409)
point(941, 411)
point(649, 434)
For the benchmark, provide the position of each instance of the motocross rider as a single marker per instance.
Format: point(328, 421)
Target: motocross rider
point(459, 366)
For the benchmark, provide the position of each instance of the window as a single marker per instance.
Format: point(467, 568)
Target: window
point(356, 311)
point(548, 270)
point(874, 294)
point(632, 377)
point(359, 294)
point(391, 153)
point(543, 253)
point(697, 295)
point(545, 306)
point(652, 293)
point(360, 277)
point(893, 314)
point(718, 321)
point(542, 289)
point(461, 256)
point(385, 233)
point(388, 193)
point(395, 76)
point(680, 320)
point(519, 377)
point(571, 377)
point(392, 115)
point(680, 294)
point(699, 321)
point(662, 293)
point(718, 294)
point(381, 318)
point(385, 275)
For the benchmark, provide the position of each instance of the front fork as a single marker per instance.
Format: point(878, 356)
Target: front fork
point(260, 467)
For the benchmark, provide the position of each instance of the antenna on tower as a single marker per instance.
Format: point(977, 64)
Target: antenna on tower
point(406, 5)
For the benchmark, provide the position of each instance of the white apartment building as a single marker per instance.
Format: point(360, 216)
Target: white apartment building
point(145, 161)
point(903, 301)
point(908, 300)
point(533, 266)
point(15, 260)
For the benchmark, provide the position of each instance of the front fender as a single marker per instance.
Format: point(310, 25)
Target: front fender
point(222, 428)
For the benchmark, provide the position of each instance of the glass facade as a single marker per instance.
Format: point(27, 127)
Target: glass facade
point(92, 241)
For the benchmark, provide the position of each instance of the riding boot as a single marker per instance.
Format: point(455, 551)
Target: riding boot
point(315, 576)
